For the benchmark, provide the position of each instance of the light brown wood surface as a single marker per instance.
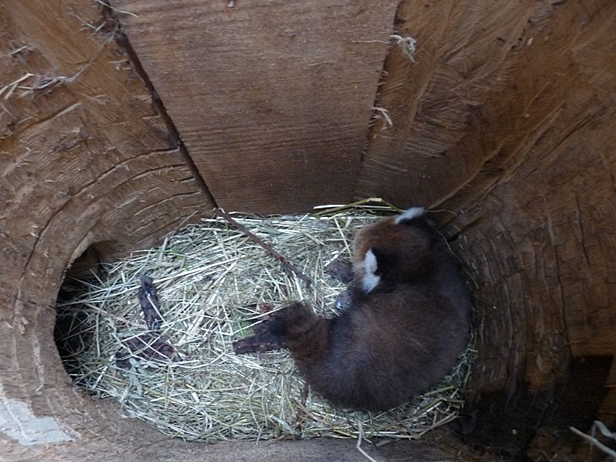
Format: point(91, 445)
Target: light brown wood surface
point(506, 123)
point(85, 159)
point(502, 121)
point(272, 98)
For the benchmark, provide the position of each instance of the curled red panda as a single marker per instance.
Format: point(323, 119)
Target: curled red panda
point(407, 320)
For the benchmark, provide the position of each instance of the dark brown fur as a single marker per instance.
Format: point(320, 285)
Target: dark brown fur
point(396, 339)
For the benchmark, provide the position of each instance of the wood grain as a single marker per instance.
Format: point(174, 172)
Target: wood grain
point(85, 159)
point(272, 98)
point(506, 124)
point(504, 121)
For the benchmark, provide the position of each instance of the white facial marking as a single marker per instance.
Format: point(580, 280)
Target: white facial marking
point(409, 214)
point(370, 280)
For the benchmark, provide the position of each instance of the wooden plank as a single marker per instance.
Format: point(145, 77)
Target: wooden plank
point(524, 150)
point(506, 123)
point(84, 158)
point(466, 53)
point(272, 98)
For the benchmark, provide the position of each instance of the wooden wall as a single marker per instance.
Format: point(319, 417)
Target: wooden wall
point(272, 98)
point(117, 125)
point(85, 158)
point(506, 124)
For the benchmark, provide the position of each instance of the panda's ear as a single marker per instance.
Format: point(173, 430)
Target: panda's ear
point(409, 214)
point(371, 277)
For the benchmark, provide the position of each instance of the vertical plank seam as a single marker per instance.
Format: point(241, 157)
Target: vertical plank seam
point(372, 121)
point(124, 43)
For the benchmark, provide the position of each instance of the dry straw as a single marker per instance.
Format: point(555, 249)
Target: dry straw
point(211, 279)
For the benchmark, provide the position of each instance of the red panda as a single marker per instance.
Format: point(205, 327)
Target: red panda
point(406, 323)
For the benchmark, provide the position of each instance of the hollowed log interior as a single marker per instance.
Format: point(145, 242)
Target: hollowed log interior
point(119, 125)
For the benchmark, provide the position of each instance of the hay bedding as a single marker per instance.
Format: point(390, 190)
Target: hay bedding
point(211, 279)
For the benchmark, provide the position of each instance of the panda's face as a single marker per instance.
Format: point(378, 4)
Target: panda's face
point(390, 251)
point(368, 242)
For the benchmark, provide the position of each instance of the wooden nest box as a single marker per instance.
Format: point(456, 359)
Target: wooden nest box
point(120, 122)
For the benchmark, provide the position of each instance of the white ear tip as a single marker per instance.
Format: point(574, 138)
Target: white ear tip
point(409, 214)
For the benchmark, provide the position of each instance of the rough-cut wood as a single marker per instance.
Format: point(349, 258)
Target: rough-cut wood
point(505, 120)
point(272, 98)
point(507, 123)
point(84, 160)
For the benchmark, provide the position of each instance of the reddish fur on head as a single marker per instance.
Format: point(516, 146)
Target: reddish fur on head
point(393, 250)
